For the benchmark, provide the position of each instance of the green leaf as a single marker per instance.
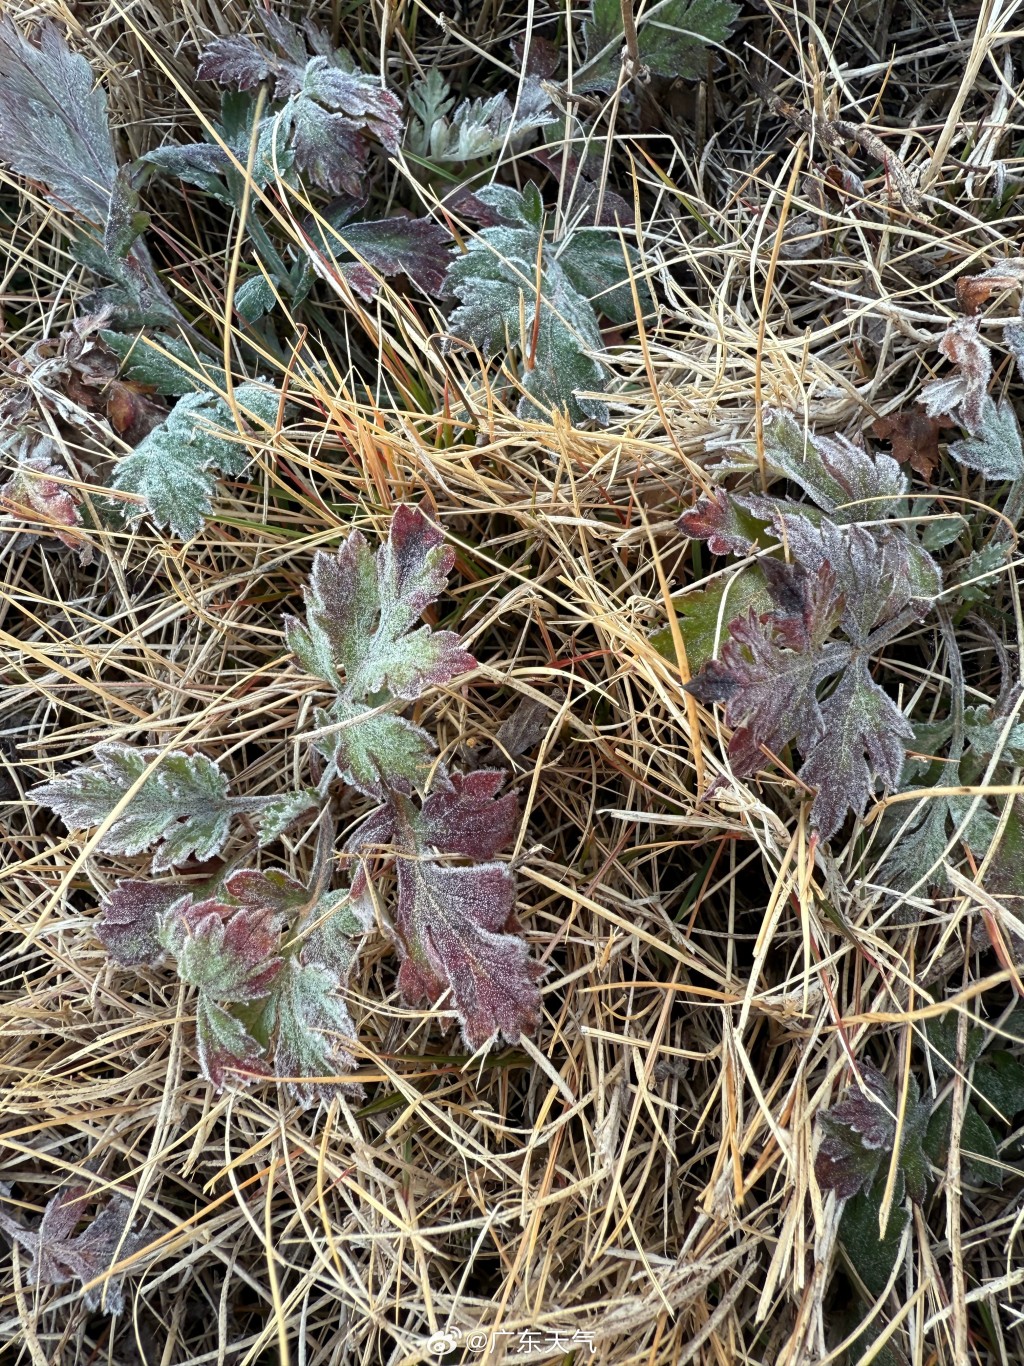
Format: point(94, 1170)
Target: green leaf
point(174, 468)
point(313, 1031)
point(995, 449)
point(479, 127)
point(181, 811)
point(281, 812)
point(699, 611)
point(999, 1085)
point(164, 363)
point(554, 328)
point(842, 478)
point(672, 37)
point(598, 268)
point(859, 1134)
point(254, 298)
point(124, 221)
point(872, 1257)
point(361, 610)
point(224, 1044)
point(979, 1155)
point(376, 750)
point(53, 120)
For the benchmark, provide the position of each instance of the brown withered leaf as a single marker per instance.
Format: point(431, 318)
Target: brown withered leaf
point(974, 290)
point(914, 437)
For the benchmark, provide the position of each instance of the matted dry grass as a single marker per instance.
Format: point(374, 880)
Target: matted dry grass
point(640, 1175)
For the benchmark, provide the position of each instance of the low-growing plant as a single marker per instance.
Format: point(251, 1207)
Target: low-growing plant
point(518, 290)
point(832, 583)
point(269, 958)
point(861, 1134)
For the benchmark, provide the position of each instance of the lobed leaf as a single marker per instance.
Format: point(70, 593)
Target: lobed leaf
point(313, 1031)
point(230, 953)
point(994, 447)
point(416, 247)
point(964, 393)
point(181, 811)
point(672, 38)
point(456, 931)
point(40, 486)
point(842, 478)
point(376, 750)
point(723, 521)
point(163, 363)
point(361, 610)
point(174, 469)
point(859, 1132)
point(60, 1256)
point(130, 918)
point(53, 121)
point(551, 319)
point(465, 816)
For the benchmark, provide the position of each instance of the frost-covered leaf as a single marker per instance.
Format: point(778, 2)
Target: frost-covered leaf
point(225, 1047)
point(994, 449)
point(53, 120)
point(478, 128)
point(599, 270)
point(42, 488)
point(163, 363)
point(375, 750)
point(466, 816)
point(727, 526)
point(769, 673)
point(313, 1032)
point(859, 1133)
point(456, 930)
point(843, 479)
point(979, 1154)
point(999, 1086)
point(963, 393)
point(128, 926)
point(230, 953)
point(672, 37)
point(332, 113)
point(361, 610)
point(182, 809)
point(770, 669)
point(456, 925)
point(281, 812)
point(125, 221)
point(59, 1255)
point(552, 320)
point(234, 60)
point(864, 739)
point(416, 247)
point(197, 163)
point(174, 469)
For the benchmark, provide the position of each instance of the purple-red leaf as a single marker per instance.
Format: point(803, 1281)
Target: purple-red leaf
point(38, 488)
point(771, 667)
point(58, 1256)
point(857, 1133)
point(718, 519)
point(465, 817)
point(457, 931)
point(129, 923)
point(864, 738)
point(234, 61)
point(229, 952)
point(416, 247)
point(361, 611)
